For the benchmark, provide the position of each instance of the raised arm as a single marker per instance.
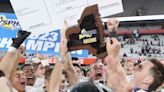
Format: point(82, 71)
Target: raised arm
point(117, 76)
point(68, 65)
point(55, 78)
point(10, 61)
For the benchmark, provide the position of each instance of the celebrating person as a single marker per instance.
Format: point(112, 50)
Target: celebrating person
point(148, 76)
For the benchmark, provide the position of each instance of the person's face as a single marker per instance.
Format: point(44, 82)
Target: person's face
point(29, 72)
point(128, 67)
point(62, 83)
point(78, 71)
point(40, 70)
point(141, 72)
point(96, 71)
point(19, 81)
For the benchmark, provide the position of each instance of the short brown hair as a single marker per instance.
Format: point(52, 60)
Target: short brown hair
point(158, 74)
point(48, 74)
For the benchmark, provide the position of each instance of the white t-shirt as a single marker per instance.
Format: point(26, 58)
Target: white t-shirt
point(34, 89)
point(162, 90)
point(5, 85)
point(37, 87)
point(14, 90)
point(39, 82)
point(141, 91)
point(83, 79)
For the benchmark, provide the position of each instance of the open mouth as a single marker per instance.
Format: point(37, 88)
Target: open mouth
point(98, 74)
point(29, 78)
point(23, 83)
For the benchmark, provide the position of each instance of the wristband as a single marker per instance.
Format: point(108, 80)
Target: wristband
point(61, 59)
point(12, 49)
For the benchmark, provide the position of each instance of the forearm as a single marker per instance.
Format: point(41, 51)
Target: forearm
point(14, 64)
point(67, 61)
point(70, 70)
point(120, 69)
point(55, 78)
point(8, 62)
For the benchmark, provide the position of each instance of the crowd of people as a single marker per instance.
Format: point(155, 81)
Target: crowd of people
point(67, 76)
point(144, 46)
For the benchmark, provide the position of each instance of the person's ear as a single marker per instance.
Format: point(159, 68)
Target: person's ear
point(148, 80)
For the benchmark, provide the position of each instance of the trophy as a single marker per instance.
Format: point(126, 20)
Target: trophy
point(88, 34)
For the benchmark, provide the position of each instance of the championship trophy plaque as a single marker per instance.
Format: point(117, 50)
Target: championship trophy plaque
point(88, 34)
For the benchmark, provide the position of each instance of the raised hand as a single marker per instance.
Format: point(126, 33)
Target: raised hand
point(113, 47)
point(21, 36)
point(63, 42)
point(117, 76)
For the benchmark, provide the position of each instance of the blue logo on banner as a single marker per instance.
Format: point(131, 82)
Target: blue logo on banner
point(47, 43)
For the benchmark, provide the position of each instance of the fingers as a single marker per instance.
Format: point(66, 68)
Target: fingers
point(108, 42)
point(112, 41)
point(63, 42)
point(63, 47)
point(63, 30)
point(111, 44)
point(62, 33)
point(115, 41)
point(108, 45)
point(22, 50)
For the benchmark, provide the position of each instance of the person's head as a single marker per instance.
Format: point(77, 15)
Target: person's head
point(63, 82)
point(78, 69)
point(84, 87)
point(96, 71)
point(18, 80)
point(47, 79)
point(39, 70)
point(89, 86)
point(128, 67)
point(149, 75)
point(29, 72)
